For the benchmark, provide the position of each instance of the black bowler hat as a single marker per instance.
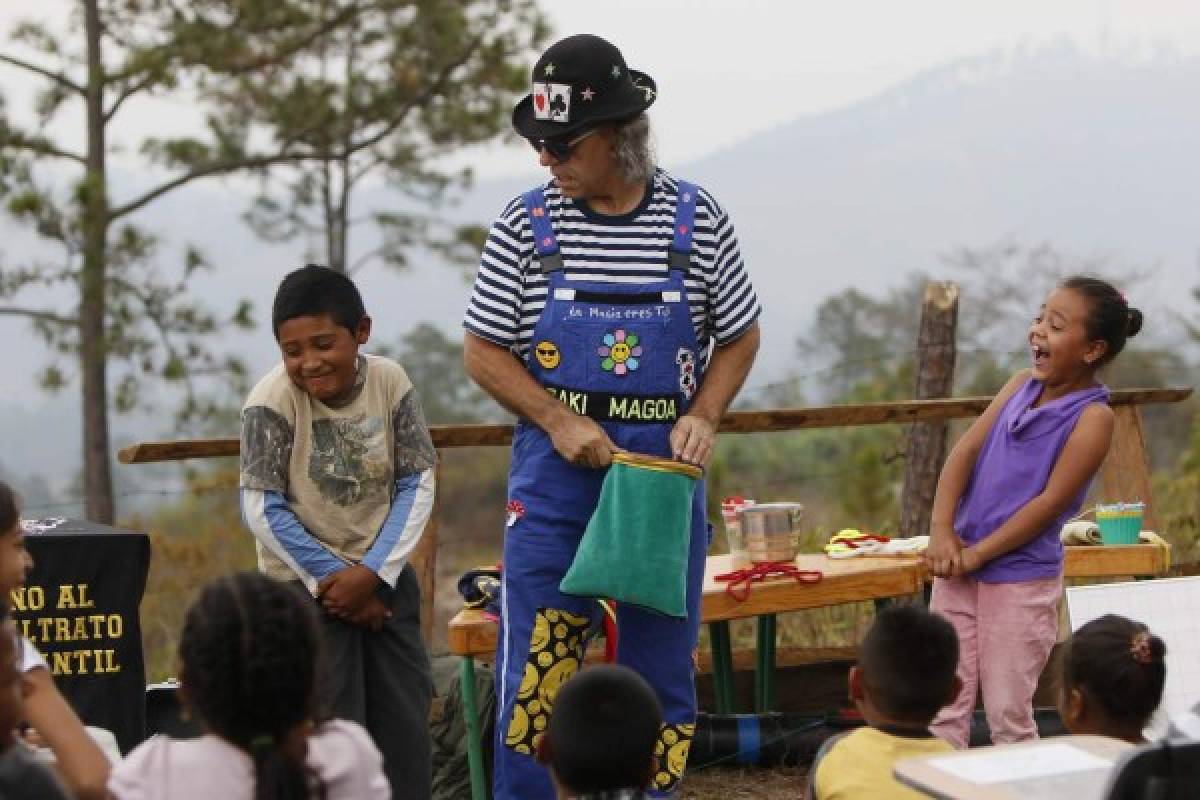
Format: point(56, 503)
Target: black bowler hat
point(581, 81)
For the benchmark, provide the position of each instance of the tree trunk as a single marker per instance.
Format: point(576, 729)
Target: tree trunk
point(93, 347)
point(329, 212)
point(335, 232)
point(340, 232)
point(341, 227)
point(926, 448)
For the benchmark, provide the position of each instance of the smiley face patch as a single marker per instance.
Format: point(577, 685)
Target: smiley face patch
point(671, 752)
point(620, 353)
point(556, 647)
point(547, 354)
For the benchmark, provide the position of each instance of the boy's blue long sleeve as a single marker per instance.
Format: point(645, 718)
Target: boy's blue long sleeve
point(412, 505)
point(277, 527)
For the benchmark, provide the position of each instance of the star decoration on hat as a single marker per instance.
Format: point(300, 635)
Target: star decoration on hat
point(548, 70)
point(616, 71)
point(587, 93)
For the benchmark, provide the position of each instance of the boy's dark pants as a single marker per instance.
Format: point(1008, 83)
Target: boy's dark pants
point(382, 681)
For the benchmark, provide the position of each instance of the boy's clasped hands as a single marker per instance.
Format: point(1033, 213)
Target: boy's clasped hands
point(351, 594)
point(948, 557)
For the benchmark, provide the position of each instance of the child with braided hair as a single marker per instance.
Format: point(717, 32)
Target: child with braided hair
point(250, 652)
point(1111, 678)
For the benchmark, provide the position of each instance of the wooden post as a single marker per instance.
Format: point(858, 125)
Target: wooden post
point(424, 559)
point(926, 449)
point(1125, 473)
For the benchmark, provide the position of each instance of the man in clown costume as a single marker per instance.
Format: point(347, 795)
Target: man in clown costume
point(611, 312)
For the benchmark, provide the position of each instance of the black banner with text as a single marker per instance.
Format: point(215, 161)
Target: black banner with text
point(79, 607)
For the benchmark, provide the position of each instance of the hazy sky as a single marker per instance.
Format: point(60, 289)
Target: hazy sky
point(727, 68)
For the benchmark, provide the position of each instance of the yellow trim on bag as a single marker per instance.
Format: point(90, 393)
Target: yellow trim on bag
point(658, 464)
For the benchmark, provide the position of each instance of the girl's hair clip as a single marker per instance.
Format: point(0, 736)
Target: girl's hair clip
point(1140, 648)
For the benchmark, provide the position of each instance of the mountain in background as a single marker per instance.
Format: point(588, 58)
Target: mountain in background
point(1099, 156)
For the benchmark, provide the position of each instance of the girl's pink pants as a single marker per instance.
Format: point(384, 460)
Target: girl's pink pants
point(1005, 634)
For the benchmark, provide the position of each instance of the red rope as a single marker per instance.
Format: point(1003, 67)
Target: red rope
point(609, 608)
point(865, 537)
point(739, 581)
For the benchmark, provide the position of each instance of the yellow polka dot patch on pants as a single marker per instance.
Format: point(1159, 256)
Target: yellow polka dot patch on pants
point(671, 753)
point(555, 653)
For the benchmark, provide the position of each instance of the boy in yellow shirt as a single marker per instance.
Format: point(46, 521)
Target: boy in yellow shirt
point(905, 674)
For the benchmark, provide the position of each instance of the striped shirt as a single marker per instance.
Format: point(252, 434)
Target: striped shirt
point(510, 288)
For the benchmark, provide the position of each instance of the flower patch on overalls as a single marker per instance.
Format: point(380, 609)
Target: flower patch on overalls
point(671, 750)
point(555, 652)
point(620, 352)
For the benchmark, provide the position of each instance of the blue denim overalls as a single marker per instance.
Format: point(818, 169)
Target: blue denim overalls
point(625, 355)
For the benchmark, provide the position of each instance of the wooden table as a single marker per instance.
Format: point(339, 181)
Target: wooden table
point(844, 580)
point(1078, 767)
point(471, 634)
point(1106, 561)
point(860, 578)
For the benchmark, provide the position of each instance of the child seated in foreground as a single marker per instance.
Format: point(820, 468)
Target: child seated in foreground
point(905, 674)
point(21, 776)
point(600, 741)
point(1111, 678)
point(250, 652)
point(79, 761)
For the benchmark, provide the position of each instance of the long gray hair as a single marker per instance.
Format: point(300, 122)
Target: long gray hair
point(633, 150)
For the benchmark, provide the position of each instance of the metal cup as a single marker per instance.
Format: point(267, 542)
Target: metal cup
point(770, 530)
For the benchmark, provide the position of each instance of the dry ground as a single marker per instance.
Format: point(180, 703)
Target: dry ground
point(744, 783)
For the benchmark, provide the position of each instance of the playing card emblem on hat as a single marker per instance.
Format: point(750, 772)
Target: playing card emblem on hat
point(552, 101)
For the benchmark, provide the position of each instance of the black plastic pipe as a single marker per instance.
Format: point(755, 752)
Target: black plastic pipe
point(776, 739)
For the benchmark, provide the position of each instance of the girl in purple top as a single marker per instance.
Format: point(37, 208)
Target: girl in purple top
point(1012, 480)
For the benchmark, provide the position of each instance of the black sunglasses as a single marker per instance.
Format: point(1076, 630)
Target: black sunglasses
point(559, 149)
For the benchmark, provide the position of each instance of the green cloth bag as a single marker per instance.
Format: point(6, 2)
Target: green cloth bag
point(635, 548)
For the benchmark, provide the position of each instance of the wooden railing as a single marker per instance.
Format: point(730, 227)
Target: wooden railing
point(1125, 473)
